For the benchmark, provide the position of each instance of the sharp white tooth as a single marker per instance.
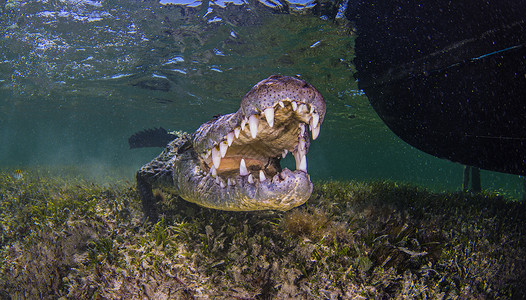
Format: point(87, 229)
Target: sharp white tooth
point(262, 176)
point(237, 131)
point(302, 108)
point(230, 139)
point(218, 180)
point(269, 115)
point(243, 123)
point(207, 154)
point(311, 109)
point(222, 184)
point(281, 104)
point(315, 132)
point(297, 157)
point(302, 129)
point(298, 154)
point(213, 171)
point(231, 181)
point(285, 152)
point(223, 147)
point(250, 178)
point(315, 120)
point(253, 122)
point(216, 157)
point(243, 168)
point(294, 105)
point(303, 163)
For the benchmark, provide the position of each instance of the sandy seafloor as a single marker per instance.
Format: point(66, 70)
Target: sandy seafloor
point(70, 238)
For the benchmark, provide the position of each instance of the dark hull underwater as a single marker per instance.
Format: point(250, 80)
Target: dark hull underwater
point(448, 77)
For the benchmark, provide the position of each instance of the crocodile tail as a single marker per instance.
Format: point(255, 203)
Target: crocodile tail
point(156, 137)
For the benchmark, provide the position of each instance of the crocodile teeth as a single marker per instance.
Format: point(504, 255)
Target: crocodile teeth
point(262, 176)
point(223, 147)
point(243, 123)
point(311, 109)
point(222, 184)
point(269, 115)
point(294, 105)
point(250, 178)
point(315, 120)
point(284, 154)
point(216, 157)
point(253, 122)
point(303, 164)
point(243, 168)
point(315, 132)
point(297, 157)
point(237, 131)
point(281, 104)
point(302, 109)
point(213, 171)
point(302, 129)
point(299, 153)
point(230, 139)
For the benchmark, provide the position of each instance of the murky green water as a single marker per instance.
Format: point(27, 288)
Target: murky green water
point(77, 78)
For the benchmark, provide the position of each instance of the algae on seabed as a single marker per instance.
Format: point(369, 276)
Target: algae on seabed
point(61, 237)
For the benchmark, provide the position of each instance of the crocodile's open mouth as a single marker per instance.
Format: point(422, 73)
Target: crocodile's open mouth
point(239, 154)
point(255, 147)
point(232, 162)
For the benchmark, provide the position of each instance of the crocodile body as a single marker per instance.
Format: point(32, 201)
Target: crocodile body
point(233, 161)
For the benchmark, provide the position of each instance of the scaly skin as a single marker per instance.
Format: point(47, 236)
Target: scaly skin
point(232, 162)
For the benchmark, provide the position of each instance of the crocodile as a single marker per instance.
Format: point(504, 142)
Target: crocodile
point(232, 162)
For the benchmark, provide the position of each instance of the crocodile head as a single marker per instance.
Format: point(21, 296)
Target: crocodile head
point(236, 159)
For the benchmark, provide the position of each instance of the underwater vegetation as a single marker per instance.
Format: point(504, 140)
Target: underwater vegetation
point(72, 239)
